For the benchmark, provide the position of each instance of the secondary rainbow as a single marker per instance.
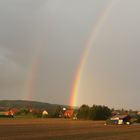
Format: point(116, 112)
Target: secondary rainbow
point(86, 51)
point(30, 80)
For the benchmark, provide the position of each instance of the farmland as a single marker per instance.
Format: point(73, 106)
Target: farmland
point(63, 129)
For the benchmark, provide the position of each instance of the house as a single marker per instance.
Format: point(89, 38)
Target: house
point(119, 119)
point(45, 114)
point(69, 113)
point(6, 114)
point(138, 113)
point(14, 111)
point(35, 111)
point(115, 112)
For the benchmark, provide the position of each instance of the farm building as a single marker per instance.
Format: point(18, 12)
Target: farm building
point(138, 113)
point(119, 119)
point(6, 114)
point(14, 111)
point(45, 114)
point(69, 113)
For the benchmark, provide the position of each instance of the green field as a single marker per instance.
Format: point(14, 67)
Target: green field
point(63, 129)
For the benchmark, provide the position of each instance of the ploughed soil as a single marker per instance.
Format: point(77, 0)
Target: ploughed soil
point(65, 129)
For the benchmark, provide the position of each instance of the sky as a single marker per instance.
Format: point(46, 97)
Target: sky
point(42, 41)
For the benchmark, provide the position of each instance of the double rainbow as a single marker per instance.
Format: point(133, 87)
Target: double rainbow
point(76, 84)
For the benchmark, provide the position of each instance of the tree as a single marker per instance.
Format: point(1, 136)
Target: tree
point(83, 112)
point(99, 112)
point(58, 112)
point(96, 112)
point(23, 111)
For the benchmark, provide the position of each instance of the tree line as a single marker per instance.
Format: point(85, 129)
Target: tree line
point(96, 112)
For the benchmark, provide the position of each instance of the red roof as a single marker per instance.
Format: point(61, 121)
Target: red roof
point(69, 113)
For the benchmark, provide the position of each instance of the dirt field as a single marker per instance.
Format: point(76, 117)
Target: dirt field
point(59, 129)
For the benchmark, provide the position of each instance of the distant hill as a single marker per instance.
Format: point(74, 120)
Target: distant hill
point(28, 104)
